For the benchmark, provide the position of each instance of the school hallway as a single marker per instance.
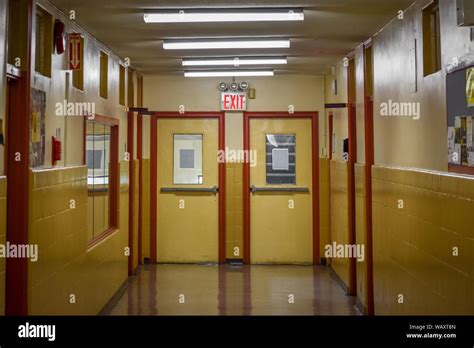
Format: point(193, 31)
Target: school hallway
point(236, 158)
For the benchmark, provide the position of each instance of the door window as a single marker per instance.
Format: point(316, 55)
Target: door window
point(281, 159)
point(187, 159)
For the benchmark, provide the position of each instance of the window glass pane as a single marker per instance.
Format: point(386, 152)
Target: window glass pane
point(281, 159)
point(90, 179)
point(187, 159)
point(98, 166)
point(44, 42)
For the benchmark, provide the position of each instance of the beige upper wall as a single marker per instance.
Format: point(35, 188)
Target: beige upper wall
point(340, 125)
point(59, 87)
point(401, 141)
point(360, 107)
point(3, 30)
point(167, 93)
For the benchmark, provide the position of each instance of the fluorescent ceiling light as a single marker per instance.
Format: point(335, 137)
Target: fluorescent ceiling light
point(225, 44)
point(228, 73)
point(242, 15)
point(234, 61)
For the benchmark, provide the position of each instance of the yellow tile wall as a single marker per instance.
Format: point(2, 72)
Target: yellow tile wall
point(146, 207)
point(361, 225)
point(65, 266)
point(234, 210)
point(136, 170)
point(413, 246)
point(3, 237)
point(339, 215)
point(324, 204)
point(97, 206)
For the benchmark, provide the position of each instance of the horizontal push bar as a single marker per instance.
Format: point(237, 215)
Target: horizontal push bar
point(214, 189)
point(255, 189)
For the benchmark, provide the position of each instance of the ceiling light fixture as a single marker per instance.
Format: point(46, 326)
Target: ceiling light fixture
point(228, 73)
point(234, 61)
point(221, 15)
point(225, 44)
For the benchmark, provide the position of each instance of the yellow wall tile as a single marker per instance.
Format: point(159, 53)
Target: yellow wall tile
point(339, 215)
point(65, 266)
point(234, 215)
point(413, 246)
point(361, 225)
point(146, 208)
point(324, 204)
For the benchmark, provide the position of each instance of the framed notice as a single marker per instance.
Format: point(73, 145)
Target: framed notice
point(37, 128)
point(280, 159)
point(470, 87)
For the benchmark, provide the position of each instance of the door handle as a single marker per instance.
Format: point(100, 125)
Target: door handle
point(255, 189)
point(213, 189)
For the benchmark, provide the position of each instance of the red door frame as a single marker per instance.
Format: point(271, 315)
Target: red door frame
point(369, 162)
point(155, 116)
point(314, 117)
point(352, 160)
point(16, 278)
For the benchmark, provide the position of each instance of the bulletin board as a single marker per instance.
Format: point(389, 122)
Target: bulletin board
point(460, 107)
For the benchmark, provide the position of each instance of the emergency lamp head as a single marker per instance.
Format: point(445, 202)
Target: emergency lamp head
point(223, 86)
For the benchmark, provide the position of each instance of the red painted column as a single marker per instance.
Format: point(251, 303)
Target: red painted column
point(16, 290)
point(140, 183)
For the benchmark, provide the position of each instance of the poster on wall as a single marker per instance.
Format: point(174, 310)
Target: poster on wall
point(453, 148)
point(470, 87)
point(461, 141)
point(470, 140)
point(37, 128)
point(460, 107)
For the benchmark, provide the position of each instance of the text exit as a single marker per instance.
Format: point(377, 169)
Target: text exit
point(233, 101)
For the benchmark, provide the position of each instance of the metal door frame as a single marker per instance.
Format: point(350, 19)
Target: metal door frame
point(314, 117)
point(155, 116)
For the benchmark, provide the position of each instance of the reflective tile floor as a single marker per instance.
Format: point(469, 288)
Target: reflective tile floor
point(234, 290)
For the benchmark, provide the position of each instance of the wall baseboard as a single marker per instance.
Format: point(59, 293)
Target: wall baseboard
point(336, 276)
point(115, 298)
point(360, 307)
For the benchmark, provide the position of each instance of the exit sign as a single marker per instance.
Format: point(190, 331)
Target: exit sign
point(233, 101)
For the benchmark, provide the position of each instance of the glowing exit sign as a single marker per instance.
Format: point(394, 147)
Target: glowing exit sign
point(233, 101)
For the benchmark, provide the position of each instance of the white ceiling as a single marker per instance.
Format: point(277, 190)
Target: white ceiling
point(331, 29)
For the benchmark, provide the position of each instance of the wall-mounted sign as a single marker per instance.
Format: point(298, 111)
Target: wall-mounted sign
point(75, 49)
point(233, 101)
point(470, 87)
